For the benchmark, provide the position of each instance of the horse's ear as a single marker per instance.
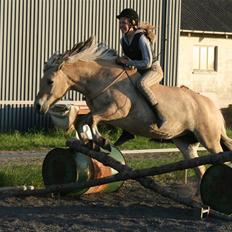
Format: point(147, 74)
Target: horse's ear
point(60, 65)
point(88, 42)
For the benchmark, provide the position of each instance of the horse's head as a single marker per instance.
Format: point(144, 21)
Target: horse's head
point(53, 86)
point(55, 81)
point(71, 70)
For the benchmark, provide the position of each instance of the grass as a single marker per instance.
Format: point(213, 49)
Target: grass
point(39, 140)
point(21, 173)
point(13, 174)
point(31, 140)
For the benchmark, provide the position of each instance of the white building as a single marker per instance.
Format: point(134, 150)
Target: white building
point(205, 49)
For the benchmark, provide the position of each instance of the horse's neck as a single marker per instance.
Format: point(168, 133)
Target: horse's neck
point(93, 77)
point(82, 74)
point(102, 75)
point(102, 81)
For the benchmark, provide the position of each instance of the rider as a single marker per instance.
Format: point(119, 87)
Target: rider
point(136, 46)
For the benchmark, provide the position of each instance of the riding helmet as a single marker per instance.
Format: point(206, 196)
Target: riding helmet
point(131, 14)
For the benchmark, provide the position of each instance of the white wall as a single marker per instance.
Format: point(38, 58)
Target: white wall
point(216, 85)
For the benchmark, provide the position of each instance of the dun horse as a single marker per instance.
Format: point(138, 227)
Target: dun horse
point(112, 97)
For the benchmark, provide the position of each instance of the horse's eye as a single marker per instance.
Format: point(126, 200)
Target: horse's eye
point(50, 82)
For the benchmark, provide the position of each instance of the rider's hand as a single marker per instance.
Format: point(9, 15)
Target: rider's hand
point(122, 60)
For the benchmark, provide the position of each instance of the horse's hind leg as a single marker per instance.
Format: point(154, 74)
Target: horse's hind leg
point(189, 151)
point(211, 141)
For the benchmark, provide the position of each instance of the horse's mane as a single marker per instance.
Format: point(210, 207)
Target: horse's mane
point(86, 51)
point(94, 52)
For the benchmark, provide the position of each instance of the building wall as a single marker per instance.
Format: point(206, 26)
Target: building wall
point(216, 85)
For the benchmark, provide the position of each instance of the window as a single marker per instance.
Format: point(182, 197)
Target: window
point(204, 58)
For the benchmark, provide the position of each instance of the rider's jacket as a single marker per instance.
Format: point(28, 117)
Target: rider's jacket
point(138, 50)
point(133, 50)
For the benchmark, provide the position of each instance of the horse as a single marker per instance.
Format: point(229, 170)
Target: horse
point(112, 97)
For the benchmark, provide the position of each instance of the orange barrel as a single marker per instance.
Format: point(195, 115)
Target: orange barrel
point(216, 188)
point(62, 166)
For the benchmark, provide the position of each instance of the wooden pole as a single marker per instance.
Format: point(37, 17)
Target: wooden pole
point(15, 189)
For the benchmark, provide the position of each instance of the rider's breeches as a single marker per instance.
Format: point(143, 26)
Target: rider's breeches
point(150, 78)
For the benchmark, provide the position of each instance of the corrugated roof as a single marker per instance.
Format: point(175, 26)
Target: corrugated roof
point(207, 15)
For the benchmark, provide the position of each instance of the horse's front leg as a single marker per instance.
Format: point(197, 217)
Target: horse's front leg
point(98, 139)
point(106, 109)
point(80, 124)
point(94, 137)
point(104, 115)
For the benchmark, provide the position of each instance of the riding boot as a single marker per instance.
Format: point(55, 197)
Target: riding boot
point(124, 137)
point(160, 119)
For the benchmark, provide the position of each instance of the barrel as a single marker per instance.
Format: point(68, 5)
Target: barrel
point(64, 165)
point(216, 188)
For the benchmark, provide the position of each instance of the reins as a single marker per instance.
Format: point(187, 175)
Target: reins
point(129, 77)
point(108, 86)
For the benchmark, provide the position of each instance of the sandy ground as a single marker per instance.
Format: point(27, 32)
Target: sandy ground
point(131, 208)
